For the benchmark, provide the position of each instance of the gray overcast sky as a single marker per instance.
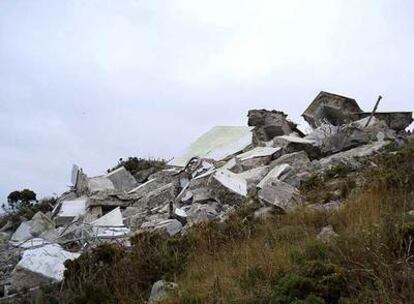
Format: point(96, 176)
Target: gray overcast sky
point(88, 82)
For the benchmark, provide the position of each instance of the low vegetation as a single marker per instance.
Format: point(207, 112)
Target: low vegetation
point(134, 164)
point(23, 205)
point(278, 260)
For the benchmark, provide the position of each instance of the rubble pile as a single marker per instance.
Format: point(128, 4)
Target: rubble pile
point(269, 160)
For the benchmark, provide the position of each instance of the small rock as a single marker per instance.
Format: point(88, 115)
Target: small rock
point(161, 290)
point(326, 234)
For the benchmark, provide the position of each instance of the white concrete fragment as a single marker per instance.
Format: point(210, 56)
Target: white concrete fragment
point(122, 179)
point(46, 260)
point(99, 183)
point(73, 208)
point(217, 143)
point(110, 225)
point(296, 139)
point(276, 172)
point(258, 152)
point(40, 223)
point(113, 218)
point(142, 185)
point(231, 181)
point(22, 233)
point(111, 232)
point(180, 212)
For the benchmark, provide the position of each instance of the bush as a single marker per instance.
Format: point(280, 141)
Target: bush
point(134, 165)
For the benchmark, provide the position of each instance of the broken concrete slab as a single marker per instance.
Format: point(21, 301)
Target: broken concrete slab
point(122, 179)
point(259, 152)
point(113, 218)
point(99, 183)
point(70, 209)
point(332, 108)
point(275, 173)
point(145, 188)
point(201, 195)
point(291, 144)
point(233, 165)
point(217, 144)
point(398, 121)
point(269, 124)
point(109, 200)
point(297, 160)
point(350, 158)
point(158, 197)
point(110, 225)
point(40, 223)
point(169, 227)
point(198, 213)
point(44, 264)
point(232, 181)
point(254, 176)
point(280, 194)
point(257, 157)
point(22, 233)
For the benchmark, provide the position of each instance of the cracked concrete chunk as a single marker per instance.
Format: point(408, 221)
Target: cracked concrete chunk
point(232, 181)
point(158, 197)
point(99, 183)
point(70, 209)
point(122, 179)
point(41, 265)
point(22, 233)
point(332, 108)
point(40, 223)
point(254, 176)
point(297, 160)
point(168, 227)
point(275, 173)
point(197, 213)
point(280, 194)
point(258, 152)
point(350, 158)
point(398, 121)
point(269, 124)
point(291, 144)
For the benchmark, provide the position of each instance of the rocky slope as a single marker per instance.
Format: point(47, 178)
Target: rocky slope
point(229, 177)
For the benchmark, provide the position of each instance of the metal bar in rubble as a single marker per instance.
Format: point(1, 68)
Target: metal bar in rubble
point(373, 111)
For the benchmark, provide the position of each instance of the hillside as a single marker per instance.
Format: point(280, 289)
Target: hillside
point(256, 214)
